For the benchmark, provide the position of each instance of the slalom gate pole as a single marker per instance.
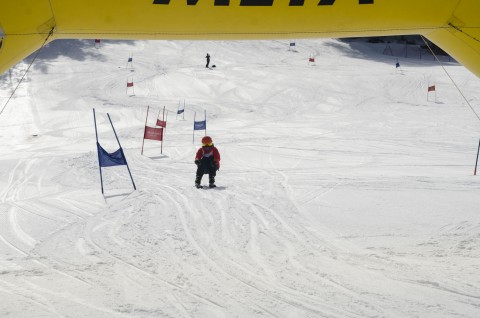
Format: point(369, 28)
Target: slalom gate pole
point(164, 129)
point(476, 162)
point(157, 118)
point(166, 116)
point(128, 168)
point(145, 129)
point(194, 116)
point(98, 154)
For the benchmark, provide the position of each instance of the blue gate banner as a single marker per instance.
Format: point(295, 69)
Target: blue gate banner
point(106, 159)
point(200, 125)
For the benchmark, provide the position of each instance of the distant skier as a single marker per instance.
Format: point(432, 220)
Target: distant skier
point(207, 160)
point(208, 60)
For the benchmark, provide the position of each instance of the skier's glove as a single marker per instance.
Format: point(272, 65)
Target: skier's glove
point(197, 162)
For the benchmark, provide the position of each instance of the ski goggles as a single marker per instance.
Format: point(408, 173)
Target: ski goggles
point(207, 145)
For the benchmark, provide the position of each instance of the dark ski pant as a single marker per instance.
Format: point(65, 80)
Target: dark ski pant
point(206, 167)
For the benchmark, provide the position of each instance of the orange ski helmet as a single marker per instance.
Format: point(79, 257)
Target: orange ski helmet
point(207, 141)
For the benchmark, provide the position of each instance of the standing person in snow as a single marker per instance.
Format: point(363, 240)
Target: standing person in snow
point(207, 160)
point(208, 59)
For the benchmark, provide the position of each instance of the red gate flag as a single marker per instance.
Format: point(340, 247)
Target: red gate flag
point(311, 59)
point(153, 133)
point(129, 84)
point(161, 123)
point(431, 88)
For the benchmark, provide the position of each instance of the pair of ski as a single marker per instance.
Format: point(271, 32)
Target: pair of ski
point(199, 186)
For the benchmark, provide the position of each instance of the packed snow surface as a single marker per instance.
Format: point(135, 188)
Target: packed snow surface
point(345, 190)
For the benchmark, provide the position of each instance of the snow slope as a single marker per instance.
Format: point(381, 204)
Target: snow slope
point(343, 192)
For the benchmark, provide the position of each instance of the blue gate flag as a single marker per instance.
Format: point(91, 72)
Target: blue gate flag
point(106, 159)
point(180, 111)
point(397, 65)
point(200, 125)
point(130, 59)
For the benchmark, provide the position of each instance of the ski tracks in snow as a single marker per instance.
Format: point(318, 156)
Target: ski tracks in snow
point(296, 144)
point(256, 251)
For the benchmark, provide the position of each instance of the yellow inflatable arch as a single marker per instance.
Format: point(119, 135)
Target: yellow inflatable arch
point(454, 25)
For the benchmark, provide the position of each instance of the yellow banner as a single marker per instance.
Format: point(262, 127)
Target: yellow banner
point(454, 25)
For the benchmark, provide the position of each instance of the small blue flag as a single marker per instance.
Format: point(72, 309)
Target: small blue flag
point(106, 159)
point(130, 59)
point(397, 65)
point(292, 43)
point(180, 111)
point(200, 125)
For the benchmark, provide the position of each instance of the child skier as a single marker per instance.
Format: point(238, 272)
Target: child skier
point(207, 161)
